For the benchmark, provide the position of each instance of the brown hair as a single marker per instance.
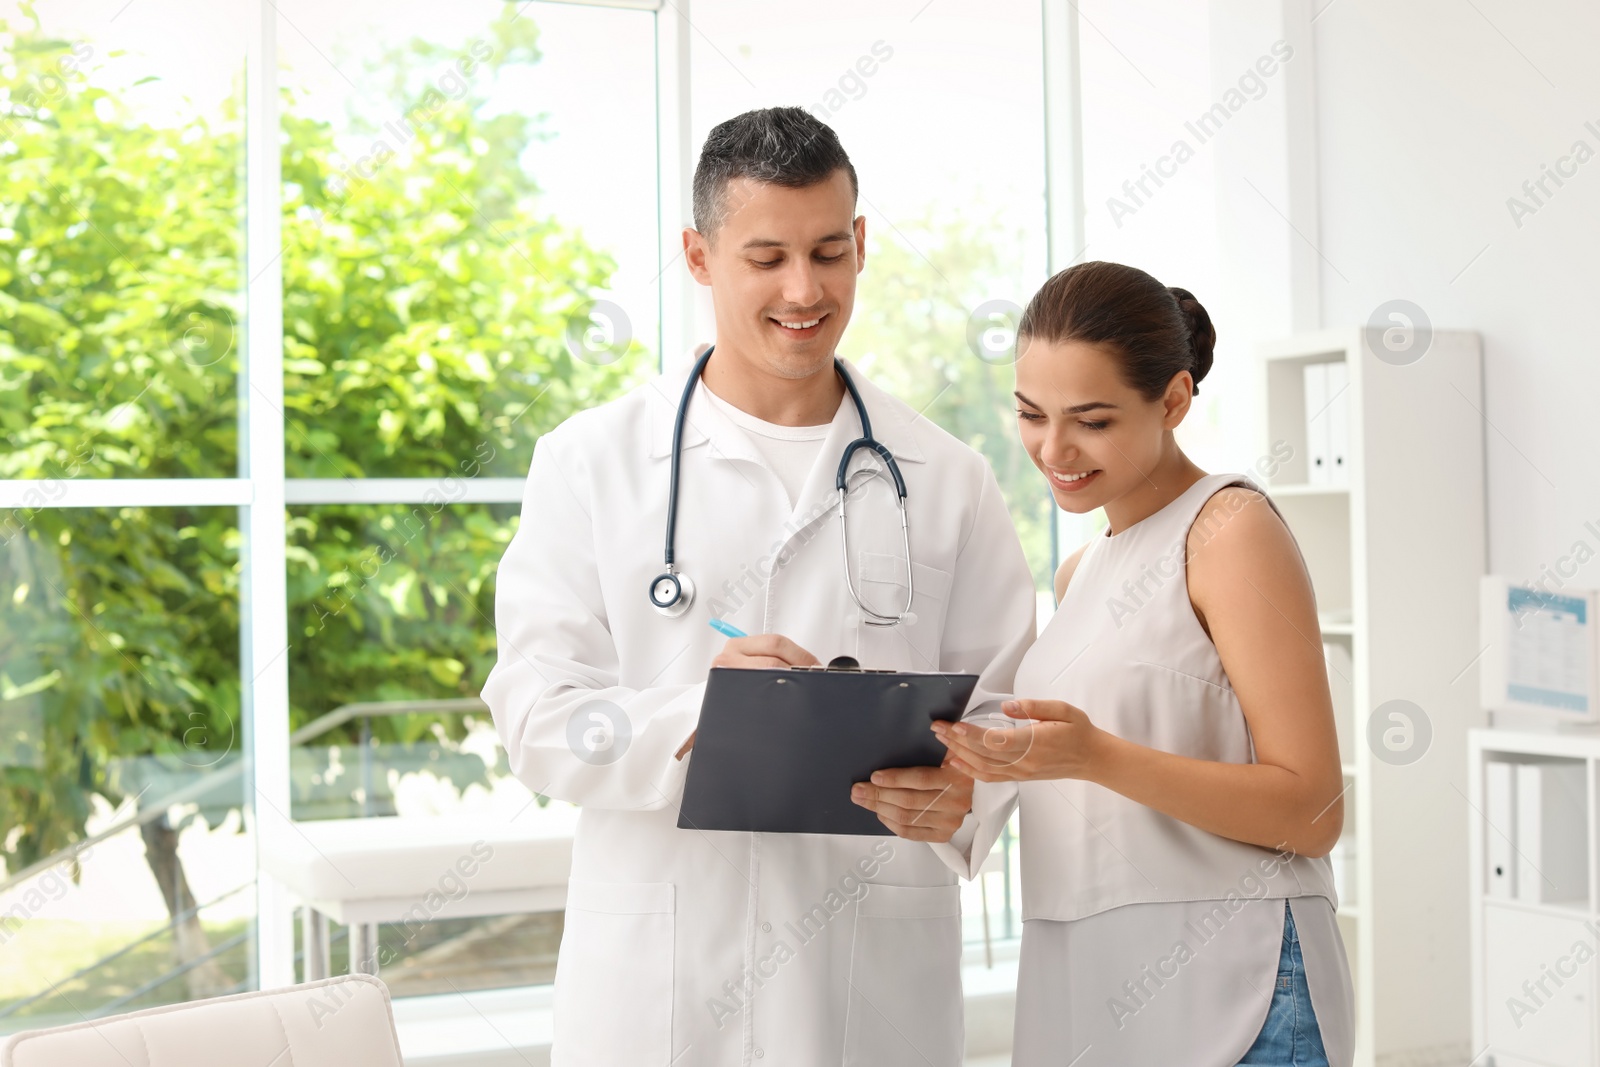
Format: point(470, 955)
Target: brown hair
point(1156, 330)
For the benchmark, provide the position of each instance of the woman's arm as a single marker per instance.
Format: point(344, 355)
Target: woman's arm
point(1251, 592)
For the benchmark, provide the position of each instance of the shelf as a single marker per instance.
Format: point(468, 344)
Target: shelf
point(1307, 490)
point(1323, 346)
point(1576, 910)
point(1321, 525)
point(1401, 560)
point(1568, 740)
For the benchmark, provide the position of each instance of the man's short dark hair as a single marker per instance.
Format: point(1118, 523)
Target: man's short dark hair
point(782, 145)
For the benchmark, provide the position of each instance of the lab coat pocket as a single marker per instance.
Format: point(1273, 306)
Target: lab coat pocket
point(613, 996)
point(912, 644)
point(905, 978)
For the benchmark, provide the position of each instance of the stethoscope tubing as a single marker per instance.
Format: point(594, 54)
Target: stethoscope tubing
point(680, 585)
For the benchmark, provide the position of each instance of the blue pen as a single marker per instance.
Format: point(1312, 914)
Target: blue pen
point(727, 629)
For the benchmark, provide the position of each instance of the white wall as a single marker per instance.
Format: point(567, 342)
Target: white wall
point(1430, 115)
point(1426, 117)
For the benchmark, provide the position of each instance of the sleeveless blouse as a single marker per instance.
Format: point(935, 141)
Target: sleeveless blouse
point(1146, 939)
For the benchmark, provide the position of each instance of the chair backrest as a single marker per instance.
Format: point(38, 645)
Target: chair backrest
point(337, 1022)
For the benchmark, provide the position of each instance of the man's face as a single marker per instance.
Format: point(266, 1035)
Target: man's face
point(782, 270)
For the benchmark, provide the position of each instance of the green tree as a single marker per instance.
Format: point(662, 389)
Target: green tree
point(427, 301)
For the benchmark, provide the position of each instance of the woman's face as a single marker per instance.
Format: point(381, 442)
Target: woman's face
point(1092, 435)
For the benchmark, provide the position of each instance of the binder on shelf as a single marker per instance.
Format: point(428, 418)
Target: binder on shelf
point(1318, 440)
point(1552, 855)
point(1500, 809)
point(1338, 417)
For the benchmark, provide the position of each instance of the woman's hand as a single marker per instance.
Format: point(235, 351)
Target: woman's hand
point(1050, 739)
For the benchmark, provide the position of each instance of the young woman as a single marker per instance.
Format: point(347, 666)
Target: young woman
point(1175, 756)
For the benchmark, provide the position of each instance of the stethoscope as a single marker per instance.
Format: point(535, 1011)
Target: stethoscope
point(672, 592)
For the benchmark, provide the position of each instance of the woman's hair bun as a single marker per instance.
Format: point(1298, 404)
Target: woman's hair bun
point(1202, 335)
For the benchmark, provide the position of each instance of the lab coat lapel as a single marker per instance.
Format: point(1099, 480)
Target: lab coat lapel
point(704, 425)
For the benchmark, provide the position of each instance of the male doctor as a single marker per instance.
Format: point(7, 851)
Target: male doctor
point(688, 947)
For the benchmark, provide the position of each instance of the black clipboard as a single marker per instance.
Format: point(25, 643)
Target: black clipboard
point(777, 750)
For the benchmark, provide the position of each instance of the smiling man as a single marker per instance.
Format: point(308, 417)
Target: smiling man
point(714, 948)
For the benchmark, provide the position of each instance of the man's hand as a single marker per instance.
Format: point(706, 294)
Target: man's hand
point(917, 803)
point(763, 650)
point(760, 651)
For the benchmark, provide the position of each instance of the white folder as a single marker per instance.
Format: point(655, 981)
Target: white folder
point(1338, 423)
point(1318, 440)
point(1552, 856)
point(1500, 809)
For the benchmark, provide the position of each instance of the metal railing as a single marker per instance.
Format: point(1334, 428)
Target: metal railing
point(323, 724)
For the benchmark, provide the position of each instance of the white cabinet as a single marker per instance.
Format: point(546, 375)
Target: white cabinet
point(1540, 987)
point(1535, 944)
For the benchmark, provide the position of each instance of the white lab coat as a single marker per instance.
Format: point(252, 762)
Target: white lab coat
point(712, 948)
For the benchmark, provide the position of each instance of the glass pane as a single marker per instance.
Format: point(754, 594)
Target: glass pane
point(952, 186)
point(121, 199)
point(470, 248)
point(391, 607)
point(392, 604)
point(119, 715)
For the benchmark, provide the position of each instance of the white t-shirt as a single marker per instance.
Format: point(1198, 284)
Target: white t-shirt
point(791, 451)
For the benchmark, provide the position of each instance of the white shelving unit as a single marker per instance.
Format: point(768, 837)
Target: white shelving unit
point(1395, 556)
point(1534, 970)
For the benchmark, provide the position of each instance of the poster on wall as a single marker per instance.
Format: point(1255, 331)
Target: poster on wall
point(1541, 650)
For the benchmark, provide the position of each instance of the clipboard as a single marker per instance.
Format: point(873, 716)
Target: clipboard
point(777, 750)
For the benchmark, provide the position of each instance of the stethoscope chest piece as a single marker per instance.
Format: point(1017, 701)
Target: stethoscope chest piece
point(671, 593)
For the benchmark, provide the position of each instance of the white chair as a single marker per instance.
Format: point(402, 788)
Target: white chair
point(339, 1022)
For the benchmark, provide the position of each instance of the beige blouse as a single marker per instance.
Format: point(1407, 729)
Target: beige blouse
point(1146, 939)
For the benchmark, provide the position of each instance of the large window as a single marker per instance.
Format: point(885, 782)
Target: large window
point(288, 291)
point(457, 276)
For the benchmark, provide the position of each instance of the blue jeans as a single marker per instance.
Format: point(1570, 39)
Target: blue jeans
point(1290, 1037)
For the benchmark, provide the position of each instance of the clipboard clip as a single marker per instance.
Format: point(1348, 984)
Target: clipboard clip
point(845, 663)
